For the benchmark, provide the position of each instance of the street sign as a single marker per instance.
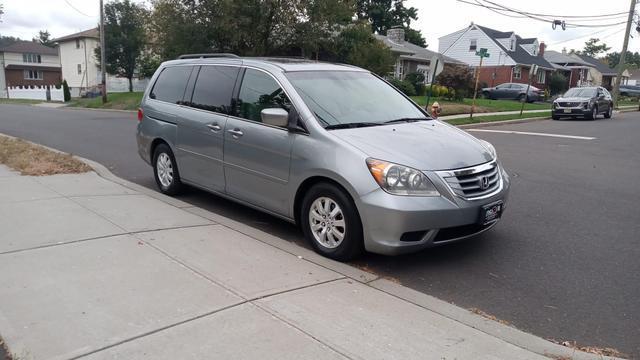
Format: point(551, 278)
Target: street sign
point(436, 66)
point(483, 53)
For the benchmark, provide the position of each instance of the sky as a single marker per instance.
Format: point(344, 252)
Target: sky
point(23, 18)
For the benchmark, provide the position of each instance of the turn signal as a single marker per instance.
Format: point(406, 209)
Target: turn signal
point(140, 114)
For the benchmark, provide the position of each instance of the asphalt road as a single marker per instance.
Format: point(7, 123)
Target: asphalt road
point(564, 263)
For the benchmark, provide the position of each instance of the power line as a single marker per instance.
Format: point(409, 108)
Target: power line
point(76, 9)
point(579, 37)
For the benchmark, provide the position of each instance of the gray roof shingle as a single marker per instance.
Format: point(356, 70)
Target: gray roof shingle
point(91, 33)
point(410, 50)
point(519, 55)
point(602, 67)
point(29, 47)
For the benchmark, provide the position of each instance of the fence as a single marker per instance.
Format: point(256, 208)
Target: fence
point(36, 93)
point(121, 84)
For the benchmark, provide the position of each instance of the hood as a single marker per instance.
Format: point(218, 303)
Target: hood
point(424, 145)
point(573, 99)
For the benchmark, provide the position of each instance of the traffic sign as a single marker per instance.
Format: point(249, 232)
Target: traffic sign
point(483, 53)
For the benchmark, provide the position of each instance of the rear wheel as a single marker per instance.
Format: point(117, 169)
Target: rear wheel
point(165, 170)
point(609, 112)
point(331, 223)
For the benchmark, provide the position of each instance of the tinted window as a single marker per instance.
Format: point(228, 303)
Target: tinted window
point(171, 84)
point(260, 91)
point(580, 92)
point(214, 88)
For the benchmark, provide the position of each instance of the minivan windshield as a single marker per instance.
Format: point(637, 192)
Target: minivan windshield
point(580, 92)
point(352, 99)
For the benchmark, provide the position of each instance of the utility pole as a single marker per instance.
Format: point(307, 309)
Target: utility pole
point(483, 53)
point(103, 60)
point(623, 54)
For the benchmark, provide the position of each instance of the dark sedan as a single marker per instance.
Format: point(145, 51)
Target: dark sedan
point(513, 91)
point(586, 102)
point(630, 90)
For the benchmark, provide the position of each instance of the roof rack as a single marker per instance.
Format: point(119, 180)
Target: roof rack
point(205, 56)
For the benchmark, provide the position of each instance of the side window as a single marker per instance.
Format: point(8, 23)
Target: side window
point(214, 88)
point(260, 91)
point(171, 84)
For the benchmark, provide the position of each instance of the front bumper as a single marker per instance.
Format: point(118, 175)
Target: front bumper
point(395, 225)
point(574, 111)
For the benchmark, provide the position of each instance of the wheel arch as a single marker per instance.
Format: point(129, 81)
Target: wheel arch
point(307, 184)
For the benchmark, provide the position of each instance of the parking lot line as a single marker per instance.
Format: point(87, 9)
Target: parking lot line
point(535, 134)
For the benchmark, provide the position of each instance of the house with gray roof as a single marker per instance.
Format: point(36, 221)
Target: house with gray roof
point(511, 57)
point(583, 70)
point(28, 63)
point(411, 58)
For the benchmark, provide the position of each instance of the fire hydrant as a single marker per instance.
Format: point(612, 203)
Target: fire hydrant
point(435, 110)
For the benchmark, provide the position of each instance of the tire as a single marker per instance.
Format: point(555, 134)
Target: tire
point(609, 112)
point(522, 98)
point(594, 113)
point(165, 170)
point(315, 219)
point(486, 95)
point(555, 117)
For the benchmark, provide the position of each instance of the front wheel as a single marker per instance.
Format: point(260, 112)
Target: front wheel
point(165, 170)
point(609, 112)
point(555, 117)
point(522, 98)
point(594, 114)
point(331, 223)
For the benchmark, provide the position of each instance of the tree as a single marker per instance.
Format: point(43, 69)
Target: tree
point(8, 40)
point(65, 91)
point(1, 11)
point(321, 21)
point(632, 60)
point(356, 46)
point(124, 38)
point(558, 83)
point(385, 14)
point(44, 38)
point(593, 48)
point(459, 78)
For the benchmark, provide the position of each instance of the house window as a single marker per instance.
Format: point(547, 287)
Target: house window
point(473, 45)
point(31, 58)
point(79, 69)
point(512, 45)
point(32, 75)
point(542, 76)
point(77, 43)
point(517, 72)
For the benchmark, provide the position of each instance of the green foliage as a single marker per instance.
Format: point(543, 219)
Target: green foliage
point(405, 86)
point(356, 46)
point(415, 37)
point(324, 18)
point(558, 83)
point(593, 48)
point(44, 38)
point(459, 78)
point(417, 80)
point(124, 32)
point(148, 64)
point(8, 40)
point(65, 91)
point(632, 60)
point(385, 14)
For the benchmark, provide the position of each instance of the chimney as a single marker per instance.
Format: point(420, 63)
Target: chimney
point(396, 34)
point(564, 51)
point(542, 47)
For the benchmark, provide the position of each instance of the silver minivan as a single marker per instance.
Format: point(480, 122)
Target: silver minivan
point(333, 148)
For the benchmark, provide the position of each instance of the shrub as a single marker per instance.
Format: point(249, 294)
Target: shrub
point(557, 83)
point(65, 91)
point(421, 89)
point(459, 78)
point(404, 86)
point(417, 80)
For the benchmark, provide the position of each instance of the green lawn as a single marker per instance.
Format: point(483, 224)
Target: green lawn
point(482, 105)
point(20, 101)
point(492, 118)
point(120, 101)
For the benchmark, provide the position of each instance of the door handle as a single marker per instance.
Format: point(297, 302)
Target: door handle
point(236, 133)
point(214, 127)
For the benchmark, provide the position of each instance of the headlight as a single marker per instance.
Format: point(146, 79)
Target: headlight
point(401, 180)
point(490, 148)
point(555, 104)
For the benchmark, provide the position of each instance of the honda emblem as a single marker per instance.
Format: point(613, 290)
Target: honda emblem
point(484, 183)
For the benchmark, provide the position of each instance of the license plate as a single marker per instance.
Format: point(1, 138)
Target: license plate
point(491, 213)
point(567, 111)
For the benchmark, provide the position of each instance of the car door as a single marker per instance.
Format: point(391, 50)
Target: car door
point(257, 156)
point(514, 91)
point(603, 102)
point(200, 138)
point(503, 91)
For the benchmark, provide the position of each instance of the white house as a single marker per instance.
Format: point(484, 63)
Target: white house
point(28, 63)
point(79, 65)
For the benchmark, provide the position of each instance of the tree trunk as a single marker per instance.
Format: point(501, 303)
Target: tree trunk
point(130, 84)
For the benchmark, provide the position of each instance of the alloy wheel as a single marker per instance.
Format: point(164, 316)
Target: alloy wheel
point(327, 222)
point(165, 169)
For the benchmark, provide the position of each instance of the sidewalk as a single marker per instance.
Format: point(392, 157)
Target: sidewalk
point(95, 267)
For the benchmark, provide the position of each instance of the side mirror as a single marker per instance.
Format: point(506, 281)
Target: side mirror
point(275, 117)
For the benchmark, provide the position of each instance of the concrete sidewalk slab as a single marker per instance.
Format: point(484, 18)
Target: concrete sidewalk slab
point(140, 212)
point(24, 189)
point(87, 184)
point(65, 301)
point(51, 221)
point(6, 172)
point(252, 269)
point(362, 322)
point(243, 332)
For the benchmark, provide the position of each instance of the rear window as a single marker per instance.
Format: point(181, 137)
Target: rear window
point(214, 88)
point(171, 84)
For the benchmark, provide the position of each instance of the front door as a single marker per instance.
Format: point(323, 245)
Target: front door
point(201, 126)
point(257, 156)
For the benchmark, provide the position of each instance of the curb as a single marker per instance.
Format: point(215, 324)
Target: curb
point(503, 332)
point(498, 123)
point(69, 107)
point(498, 330)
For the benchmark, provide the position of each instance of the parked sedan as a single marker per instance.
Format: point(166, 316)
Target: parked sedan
point(586, 102)
point(513, 91)
point(630, 90)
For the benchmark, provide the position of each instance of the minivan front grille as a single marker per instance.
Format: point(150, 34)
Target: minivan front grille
point(475, 182)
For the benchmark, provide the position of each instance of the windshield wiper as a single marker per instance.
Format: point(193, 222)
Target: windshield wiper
point(351, 125)
point(401, 120)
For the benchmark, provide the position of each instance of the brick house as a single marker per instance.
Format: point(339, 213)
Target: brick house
point(411, 58)
point(511, 56)
point(27, 63)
